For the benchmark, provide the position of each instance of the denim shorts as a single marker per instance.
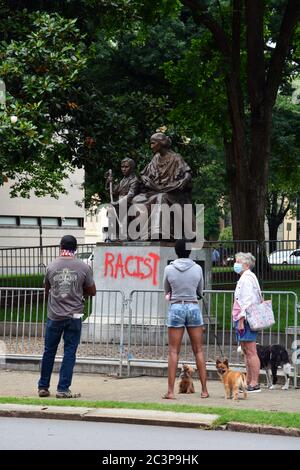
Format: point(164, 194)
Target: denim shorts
point(248, 335)
point(181, 315)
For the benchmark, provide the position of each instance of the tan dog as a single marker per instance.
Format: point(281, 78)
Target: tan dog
point(231, 380)
point(186, 379)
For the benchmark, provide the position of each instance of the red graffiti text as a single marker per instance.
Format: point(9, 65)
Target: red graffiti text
point(142, 267)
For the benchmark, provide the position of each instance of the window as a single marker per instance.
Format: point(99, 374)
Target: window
point(8, 220)
point(28, 221)
point(50, 221)
point(70, 222)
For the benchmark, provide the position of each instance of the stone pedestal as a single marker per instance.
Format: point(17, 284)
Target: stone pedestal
point(128, 277)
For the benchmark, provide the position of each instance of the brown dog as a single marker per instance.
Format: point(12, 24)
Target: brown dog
point(186, 379)
point(231, 380)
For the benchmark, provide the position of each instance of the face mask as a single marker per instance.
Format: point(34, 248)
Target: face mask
point(238, 268)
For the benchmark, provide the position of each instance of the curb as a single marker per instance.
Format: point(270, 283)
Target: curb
point(112, 415)
point(262, 429)
point(140, 416)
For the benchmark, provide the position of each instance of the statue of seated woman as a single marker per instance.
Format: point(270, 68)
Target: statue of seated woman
point(166, 180)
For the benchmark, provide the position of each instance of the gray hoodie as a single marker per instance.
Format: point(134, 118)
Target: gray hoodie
point(184, 279)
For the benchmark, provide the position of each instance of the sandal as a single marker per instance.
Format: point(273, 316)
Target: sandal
point(67, 394)
point(204, 395)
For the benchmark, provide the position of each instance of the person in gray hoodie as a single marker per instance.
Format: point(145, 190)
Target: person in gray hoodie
point(183, 281)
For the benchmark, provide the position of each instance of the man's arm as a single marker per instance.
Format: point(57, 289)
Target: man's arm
point(47, 288)
point(90, 291)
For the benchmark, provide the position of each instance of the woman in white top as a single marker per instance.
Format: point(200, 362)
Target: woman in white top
point(247, 292)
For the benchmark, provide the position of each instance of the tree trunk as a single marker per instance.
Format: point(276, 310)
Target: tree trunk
point(248, 191)
point(276, 216)
point(273, 229)
point(258, 172)
point(247, 167)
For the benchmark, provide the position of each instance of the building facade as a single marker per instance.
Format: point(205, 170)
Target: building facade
point(42, 221)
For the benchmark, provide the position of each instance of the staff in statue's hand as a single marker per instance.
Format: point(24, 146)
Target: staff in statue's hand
point(110, 181)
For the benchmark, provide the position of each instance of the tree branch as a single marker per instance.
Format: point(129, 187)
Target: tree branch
point(281, 204)
point(202, 17)
point(255, 49)
point(236, 33)
point(288, 24)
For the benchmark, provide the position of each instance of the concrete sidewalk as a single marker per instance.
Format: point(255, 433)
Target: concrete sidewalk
point(148, 390)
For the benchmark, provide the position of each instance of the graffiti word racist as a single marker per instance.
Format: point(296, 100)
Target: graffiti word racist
point(141, 267)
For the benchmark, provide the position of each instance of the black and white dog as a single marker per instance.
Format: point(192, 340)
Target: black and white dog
point(272, 357)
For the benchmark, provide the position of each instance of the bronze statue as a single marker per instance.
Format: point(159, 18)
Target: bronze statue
point(165, 180)
point(121, 193)
point(128, 187)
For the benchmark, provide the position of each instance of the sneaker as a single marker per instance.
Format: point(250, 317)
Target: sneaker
point(67, 394)
point(44, 392)
point(255, 389)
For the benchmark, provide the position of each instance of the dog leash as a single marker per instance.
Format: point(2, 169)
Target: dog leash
point(210, 322)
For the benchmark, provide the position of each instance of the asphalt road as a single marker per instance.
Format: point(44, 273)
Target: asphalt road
point(42, 434)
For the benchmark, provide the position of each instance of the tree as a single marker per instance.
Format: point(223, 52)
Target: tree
point(284, 181)
point(253, 42)
point(42, 56)
point(126, 97)
point(209, 187)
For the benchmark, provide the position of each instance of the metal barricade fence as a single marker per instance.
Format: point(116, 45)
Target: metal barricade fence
point(103, 327)
point(22, 319)
point(147, 334)
point(133, 330)
point(23, 314)
point(223, 257)
point(25, 266)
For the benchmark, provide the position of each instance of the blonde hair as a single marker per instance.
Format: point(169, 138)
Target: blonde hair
point(246, 258)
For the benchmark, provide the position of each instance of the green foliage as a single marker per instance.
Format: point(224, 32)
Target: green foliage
point(41, 68)
point(209, 185)
point(198, 81)
point(285, 148)
point(284, 180)
point(126, 98)
point(226, 234)
point(90, 82)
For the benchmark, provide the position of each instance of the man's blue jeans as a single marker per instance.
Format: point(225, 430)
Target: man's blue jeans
point(71, 330)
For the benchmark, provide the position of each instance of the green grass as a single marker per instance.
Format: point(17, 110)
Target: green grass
point(24, 280)
point(283, 419)
point(286, 267)
point(277, 267)
point(38, 315)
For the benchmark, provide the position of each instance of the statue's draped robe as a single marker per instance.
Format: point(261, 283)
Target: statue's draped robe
point(160, 184)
